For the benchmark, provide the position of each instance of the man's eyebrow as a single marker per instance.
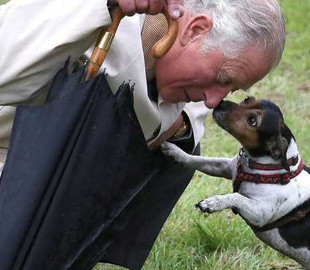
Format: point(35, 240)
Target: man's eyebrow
point(223, 77)
point(226, 75)
point(237, 69)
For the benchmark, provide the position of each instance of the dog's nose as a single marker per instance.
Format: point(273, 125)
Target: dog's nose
point(222, 101)
point(224, 104)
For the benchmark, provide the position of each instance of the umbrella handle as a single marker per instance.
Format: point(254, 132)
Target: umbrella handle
point(107, 35)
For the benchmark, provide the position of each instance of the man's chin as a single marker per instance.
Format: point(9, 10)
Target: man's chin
point(170, 100)
point(174, 96)
point(206, 104)
point(169, 97)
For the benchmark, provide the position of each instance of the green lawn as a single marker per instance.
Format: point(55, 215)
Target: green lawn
point(222, 241)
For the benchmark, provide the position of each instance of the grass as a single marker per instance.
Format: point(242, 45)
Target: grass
point(222, 241)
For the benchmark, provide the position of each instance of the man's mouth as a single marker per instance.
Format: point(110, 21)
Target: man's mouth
point(205, 100)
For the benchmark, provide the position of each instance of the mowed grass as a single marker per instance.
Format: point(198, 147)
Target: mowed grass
point(191, 240)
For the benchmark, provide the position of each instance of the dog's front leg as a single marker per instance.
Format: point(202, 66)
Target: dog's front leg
point(251, 210)
point(220, 167)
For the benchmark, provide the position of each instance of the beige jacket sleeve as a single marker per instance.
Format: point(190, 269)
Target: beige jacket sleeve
point(37, 36)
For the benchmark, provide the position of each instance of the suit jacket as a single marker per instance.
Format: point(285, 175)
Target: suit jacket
point(37, 36)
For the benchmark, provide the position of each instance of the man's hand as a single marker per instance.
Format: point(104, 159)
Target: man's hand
point(131, 7)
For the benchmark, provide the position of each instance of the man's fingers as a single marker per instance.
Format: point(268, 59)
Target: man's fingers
point(128, 7)
point(175, 8)
point(142, 6)
point(112, 3)
point(155, 6)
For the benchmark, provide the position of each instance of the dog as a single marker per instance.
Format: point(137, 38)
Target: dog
point(271, 184)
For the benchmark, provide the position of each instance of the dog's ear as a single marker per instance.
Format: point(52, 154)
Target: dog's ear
point(278, 147)
point(283, 146)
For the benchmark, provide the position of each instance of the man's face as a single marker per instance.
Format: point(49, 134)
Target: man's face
point(187, 73)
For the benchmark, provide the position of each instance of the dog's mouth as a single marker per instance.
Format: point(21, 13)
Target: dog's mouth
point(219, 119)
point(221, 112)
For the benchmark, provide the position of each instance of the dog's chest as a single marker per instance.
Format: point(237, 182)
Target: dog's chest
point(285, 200)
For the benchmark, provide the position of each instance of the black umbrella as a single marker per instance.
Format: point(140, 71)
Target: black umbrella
point(66, 166)
point(73, 167)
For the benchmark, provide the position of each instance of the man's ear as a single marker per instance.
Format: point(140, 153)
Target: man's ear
point(197, 27)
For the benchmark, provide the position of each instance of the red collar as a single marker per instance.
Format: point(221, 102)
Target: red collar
point(280, 178)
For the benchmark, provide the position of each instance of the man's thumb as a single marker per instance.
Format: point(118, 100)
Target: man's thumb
point(175, 9)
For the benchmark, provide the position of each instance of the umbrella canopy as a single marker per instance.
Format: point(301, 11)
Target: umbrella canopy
point(67, 162)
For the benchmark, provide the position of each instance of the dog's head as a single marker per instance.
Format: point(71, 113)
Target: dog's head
point(258, 125)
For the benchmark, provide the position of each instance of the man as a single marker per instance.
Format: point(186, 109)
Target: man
point(222, 46)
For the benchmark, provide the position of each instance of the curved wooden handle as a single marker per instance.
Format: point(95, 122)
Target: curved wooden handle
point(165, 43)
point(107, 35)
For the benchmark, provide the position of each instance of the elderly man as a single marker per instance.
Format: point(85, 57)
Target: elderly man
point(222, 46)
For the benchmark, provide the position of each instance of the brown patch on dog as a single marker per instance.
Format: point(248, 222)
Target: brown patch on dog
point(237, 122)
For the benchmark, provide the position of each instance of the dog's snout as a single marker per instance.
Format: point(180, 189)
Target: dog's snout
point(220, 105)
point(221, 112)
point(224, 105)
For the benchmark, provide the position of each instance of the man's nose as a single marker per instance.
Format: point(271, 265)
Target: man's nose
point(214, 95)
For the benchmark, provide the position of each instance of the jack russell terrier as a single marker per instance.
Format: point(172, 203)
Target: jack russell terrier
point(270, 182)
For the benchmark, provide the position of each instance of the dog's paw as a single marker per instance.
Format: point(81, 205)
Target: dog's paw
point(211, 205)
point(173, 151)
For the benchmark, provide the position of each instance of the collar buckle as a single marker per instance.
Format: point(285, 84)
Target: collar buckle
point(243, 158)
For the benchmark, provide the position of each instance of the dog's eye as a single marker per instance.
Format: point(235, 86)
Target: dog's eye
point(252, 121)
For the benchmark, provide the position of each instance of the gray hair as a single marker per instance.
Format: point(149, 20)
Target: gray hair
point(238, 24)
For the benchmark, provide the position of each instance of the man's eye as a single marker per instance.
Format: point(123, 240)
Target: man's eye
point(247, 99)
point(234, 90)
point(225, 81)
point(252, 121)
